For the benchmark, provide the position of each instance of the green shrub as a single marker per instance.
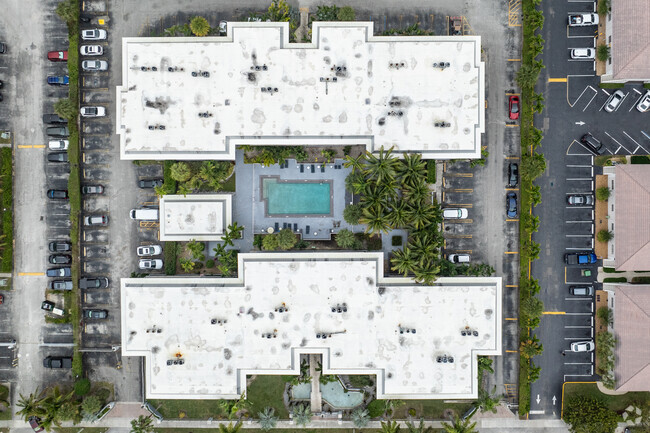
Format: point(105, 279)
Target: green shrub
point(170, 252)
point(346, 13)
point(373, 243)
point(640, 159)
point(270, 242)
point(209, 263)
point(199, 26)
point(604, 7)
point(603, 53)
point(611, 271)
point(352, 213)
point(396, 241)
point(611, 85)
point(376, 408)
point(346, 150)
point(431, 171)
point(6, 186)
point(360, 380)
point(345, 239)
point(640, 280)
point(615, 280)
point(604, 236)
point(82, 387)
point(603, 193)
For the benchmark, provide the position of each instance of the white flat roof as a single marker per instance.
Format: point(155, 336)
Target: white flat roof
point(364, 340)
point(203, 217)
point(383, 77)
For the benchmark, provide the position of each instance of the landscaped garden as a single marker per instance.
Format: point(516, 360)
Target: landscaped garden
point(6, 213)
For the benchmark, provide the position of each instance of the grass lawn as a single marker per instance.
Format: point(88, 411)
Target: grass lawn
point(267, 391)
point(430, 409)
point(193, 409)
point(229, 185)
point(4, 395)
point(617, 403)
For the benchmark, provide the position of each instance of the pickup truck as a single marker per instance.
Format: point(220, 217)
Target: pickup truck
point(57, 362)
point(578, 20)
point(582, 258)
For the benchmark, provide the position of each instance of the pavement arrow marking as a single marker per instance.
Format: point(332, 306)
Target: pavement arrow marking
point(580, 123)
point(538, 399)
point(554, 399)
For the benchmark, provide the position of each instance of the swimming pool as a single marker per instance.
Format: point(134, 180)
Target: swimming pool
point(334, 394)
point(297, 198)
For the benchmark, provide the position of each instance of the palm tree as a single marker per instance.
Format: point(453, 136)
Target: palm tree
point(230, 428)
point(267, 419)
point(403, 261)
point(199, 26)
point(30, 405)
point(422, 248)
point(422, 216)
point(487, 402)
point(460, 426)
point(373, 195)
point(302, 415)
point(381, 167)
point(398, 216)
point(355, 163)
point(52, 405)
point(143, 424)
point(420, 428)
point(417, 193)
point(426, 274)
point(360, 418)
point(412, 169)
point(389, 427)
point(375, 220)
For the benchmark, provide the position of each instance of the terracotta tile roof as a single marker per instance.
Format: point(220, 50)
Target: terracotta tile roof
point(632, 207)
point(632, 330)
point(630, 39)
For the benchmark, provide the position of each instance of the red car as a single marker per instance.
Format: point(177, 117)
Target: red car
point(513, 107)
point(57, 56)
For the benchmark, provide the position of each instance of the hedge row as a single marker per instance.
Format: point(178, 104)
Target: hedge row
point(6, 213)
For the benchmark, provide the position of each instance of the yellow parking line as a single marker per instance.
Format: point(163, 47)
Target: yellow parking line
point(554, 312)
point(514, 60)
point(512, 220)
point(458, 204)
point(512, 189)
point(512, 157)
point(510, 93)
point(511, 252)
point(83, 156)
point(509, 125)
point(512, 351)
point(512, 285)
point(557, 80)
point(511, 318)
point(31, 274)
point(565, 275)
point(39, 146)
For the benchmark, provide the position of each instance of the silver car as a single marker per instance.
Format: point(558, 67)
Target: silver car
point(149, 250)
point(644, 103)
point(93, 35)
point(583, 346)
point(150, 264)
point(94, 65)
point(91, 50)
point(614, 101)
point(58, 144)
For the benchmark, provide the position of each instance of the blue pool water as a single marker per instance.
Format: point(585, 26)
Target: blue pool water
point(307, 198)
point(334, 394)
point(301, 391)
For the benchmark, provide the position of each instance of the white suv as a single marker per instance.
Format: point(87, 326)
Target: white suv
point(93, 111)
point(91, 50)
point(93, 35)
point(644, 103)
point(614, 101)
point(583, 53)
point(150, 264)
point(455, 213)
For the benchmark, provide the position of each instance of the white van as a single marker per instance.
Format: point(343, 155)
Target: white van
point(454, 213)
point(144, 214)
point(459, 258)
point(583, 53)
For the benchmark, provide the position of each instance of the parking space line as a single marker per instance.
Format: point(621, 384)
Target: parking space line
point(554, 313)
point(638, 144)
point(574, 338)
point(511, 318)
point(458, 236)
point(578, 314)
point(578, 236)
point(577, 363)
point(577, 327)
point(512, 157)
point(511, 252)
point(467, 205)
point(557, 80)
point(579, 178)
point(618, 142)
point(512, 285)
point(459, 174)
point(512, 220)
point(461, 190)
point(508, 125)
point(512, 351)
point(514, 60)
point(31, 274)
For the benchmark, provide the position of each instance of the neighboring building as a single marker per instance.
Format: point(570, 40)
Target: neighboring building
point(281, 306)
point(197, 98)
point(201, 217)
point(631, 306)
point(629, 217)
point(629, 41)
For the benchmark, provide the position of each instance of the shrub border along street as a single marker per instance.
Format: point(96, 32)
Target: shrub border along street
point(7, 215)
point(532, 166)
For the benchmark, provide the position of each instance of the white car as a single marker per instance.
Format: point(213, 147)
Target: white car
point(459, 258)
point(91, 50)
point(58, 144)
point(150, 264)
point(583, 346)
point(149, 250)
point(93, 35)
point(614, 101)
point(644, 103)
point(94, 65)
point(93, 111)
point(454, 213)
point(583, 53)
point(223, 28)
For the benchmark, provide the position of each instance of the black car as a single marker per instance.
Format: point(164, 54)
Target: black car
point(592, 144)
point(150, 183)
point(57, 362)
point(57, 131)
point(3, 48)
point(513, 175)
point(511, 205)
point(59, 259)
point(59, 272)
point(57, 156)
point(59, 246)
point(60, 194)
point(95, 314)
point(92, 189)
point(60, 285)
point(53, 118)
point(93, 283)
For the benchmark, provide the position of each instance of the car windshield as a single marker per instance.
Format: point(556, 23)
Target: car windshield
point(515, 107)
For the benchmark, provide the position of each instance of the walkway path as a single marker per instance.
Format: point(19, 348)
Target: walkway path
point(314, 372)
point(620, 274)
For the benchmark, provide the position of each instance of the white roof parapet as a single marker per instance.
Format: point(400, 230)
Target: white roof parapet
point(422, 94)
point(202, 217)
point(225, 329)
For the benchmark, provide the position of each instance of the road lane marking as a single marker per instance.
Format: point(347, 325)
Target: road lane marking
point(512, 285)
point(511, 252)
point(512, 351)
point(31, 146)
point(513, 220)
point(514, 60)
point(557, 80)
point(554, 312)
point(31, 274)
point(511, 318)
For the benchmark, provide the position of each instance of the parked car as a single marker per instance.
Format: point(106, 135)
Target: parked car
point(511, 205)
point(150, 183)
point(452, 213)
point(93, 111)
point(34, 424)
point(644, 103)
point(459, 258)
point(54, 118)
point(57, 157)
point(94, 65)
point(581, 258)
point(57, 362)
point(59, 246)
point(58, 80)
point(583, 53)
point(223, 28)
point(96, 220)
point(2, 299)
point(150, 264)
point(580, 199)
point(92, 189)
point(587, 19)
point(57, 56)
point(57, 194)
point(93, 35)
point(57, 131)
point(513, 107)
point(93, 283)
point(95, 314)
point(592, 144)
point(614, 101)
point(581, 290)
point(149, 250)
point(91, 50)
point(59, 259)
point(59, 272)
point(513, 175)
point(583, 346)
point(50, 307)
point(58, 144)
point(3, 48)
point(60, 285)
